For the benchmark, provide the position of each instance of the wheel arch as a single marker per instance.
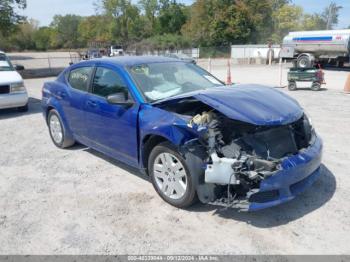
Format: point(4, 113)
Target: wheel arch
point(47, 110)
point(147, 144)
point(311, 57)
point(57, 107)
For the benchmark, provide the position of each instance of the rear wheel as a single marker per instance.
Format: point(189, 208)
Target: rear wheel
point(316, 86)
point(340, 64)
point(292, 86)
point(304, 61)
point(57, 130)
point(171, 177)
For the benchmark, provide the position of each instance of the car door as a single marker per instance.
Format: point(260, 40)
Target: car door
point(73, 98)
point(111, 128)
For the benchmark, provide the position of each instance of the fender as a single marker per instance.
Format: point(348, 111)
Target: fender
point(157, 122)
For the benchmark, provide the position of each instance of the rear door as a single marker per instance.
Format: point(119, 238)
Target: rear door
point(74, 97)
point(111, 128)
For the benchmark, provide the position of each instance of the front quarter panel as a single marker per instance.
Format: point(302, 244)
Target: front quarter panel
point(155, 121)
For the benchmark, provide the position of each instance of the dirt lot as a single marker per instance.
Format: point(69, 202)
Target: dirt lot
point(79, 202)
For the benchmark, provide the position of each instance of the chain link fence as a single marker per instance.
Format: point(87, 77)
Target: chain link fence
point(42, 64)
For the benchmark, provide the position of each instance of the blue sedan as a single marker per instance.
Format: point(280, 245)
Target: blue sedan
point(243, 146)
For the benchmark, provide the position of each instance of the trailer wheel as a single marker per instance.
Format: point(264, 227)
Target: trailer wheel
point(340, 64)
point(316, 86)
point(292, 85)
point(304, 61)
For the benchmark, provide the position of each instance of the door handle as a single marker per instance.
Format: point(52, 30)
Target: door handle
point(62, 94)
point(92, 103)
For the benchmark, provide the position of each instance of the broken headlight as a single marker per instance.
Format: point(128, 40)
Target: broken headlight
point(308, 129)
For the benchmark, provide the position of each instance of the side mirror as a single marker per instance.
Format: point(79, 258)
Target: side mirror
point(19, 67)
point(120, 98)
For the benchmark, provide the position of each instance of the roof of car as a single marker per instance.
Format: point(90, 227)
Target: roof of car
point(137, 60)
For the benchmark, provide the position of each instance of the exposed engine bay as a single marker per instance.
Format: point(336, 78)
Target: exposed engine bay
point(239, 155)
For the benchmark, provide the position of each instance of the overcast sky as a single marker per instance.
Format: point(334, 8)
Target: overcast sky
point(44, 10)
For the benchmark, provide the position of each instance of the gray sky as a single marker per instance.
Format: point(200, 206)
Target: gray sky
point(44, 10)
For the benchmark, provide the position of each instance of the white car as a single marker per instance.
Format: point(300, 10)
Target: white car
point(117, 50)
point(13, 93)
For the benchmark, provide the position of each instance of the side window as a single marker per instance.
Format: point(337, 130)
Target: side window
point(108, 82)
point(79, 78)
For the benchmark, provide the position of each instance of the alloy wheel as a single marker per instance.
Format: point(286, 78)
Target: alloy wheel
point(56, 129)
point(170, 176)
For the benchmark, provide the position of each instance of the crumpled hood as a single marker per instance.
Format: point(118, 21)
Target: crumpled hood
point(254, 104)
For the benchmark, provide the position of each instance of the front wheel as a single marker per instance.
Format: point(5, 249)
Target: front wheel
point(171, 177)
point(57, 131)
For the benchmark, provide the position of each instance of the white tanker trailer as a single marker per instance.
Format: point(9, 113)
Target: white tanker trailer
point(312, 47)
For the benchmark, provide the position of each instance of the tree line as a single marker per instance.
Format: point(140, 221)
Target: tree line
point(163, 24)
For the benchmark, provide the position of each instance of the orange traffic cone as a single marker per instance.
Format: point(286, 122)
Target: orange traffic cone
point(229, 80)
point(347, 85)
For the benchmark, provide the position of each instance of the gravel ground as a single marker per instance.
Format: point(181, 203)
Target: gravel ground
point(78, 201)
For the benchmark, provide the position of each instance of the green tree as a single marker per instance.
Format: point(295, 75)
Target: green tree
point(9, 17)
point(223, 22)
point(94, 28)
point(151, 9)
point(313, 22)
point(198, 24)
point(125, 19)
point(172, 16)
point(286, 19)
point(66, 31)
point(331, 15)
point(22, 39)
point(43, 38)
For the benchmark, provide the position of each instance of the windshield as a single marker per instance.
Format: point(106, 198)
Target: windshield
point(5, 64)
point(159, 81)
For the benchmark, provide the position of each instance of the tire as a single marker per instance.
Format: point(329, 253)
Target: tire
point(316, 86)
point(55, 127)
point(304, 62)
point(176, 186)
point(292, 86)
point(23, 108)
point(340, 64)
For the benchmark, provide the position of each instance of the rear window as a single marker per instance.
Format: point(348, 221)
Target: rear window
point(80, 78)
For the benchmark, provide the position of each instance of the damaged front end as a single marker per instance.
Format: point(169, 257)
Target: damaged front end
point(244, 160)
point(251, 161)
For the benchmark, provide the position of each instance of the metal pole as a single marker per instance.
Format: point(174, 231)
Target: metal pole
point(280, 68)
point(249, 56)
point(270, 57)
point(209, 65)
point(48, 59)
